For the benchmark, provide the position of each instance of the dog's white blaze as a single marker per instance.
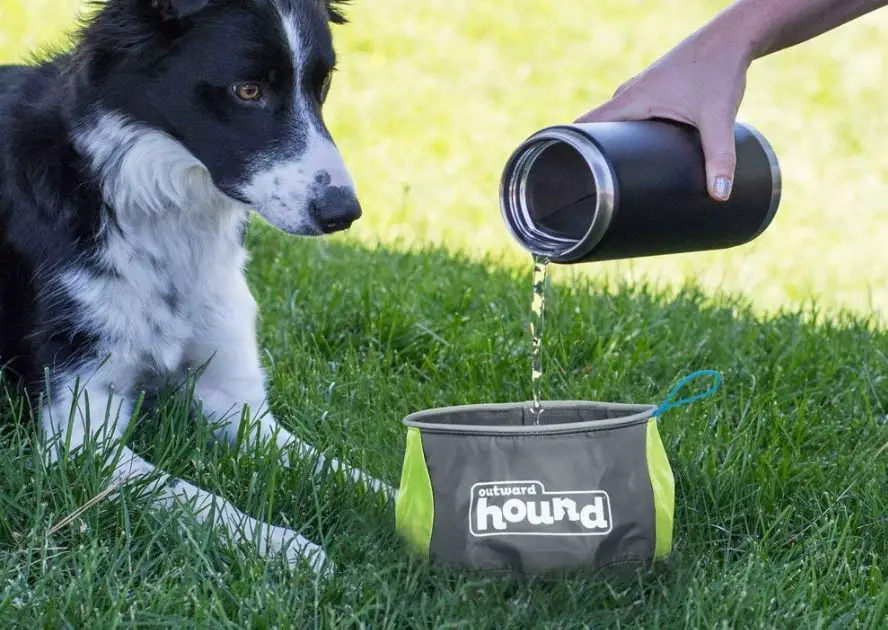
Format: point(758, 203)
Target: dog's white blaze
point(282, 190)
point(294, 39)
point(321, 154)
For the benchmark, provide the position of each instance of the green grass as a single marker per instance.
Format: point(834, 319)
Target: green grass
point(780, 493)
point(433, 95)
point(781, 490)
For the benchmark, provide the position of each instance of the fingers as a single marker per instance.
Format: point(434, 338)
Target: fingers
point(719, 150)
point(716, 131)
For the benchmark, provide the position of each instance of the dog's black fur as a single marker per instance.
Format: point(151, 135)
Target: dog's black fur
point(127, 170)
point(160, 63)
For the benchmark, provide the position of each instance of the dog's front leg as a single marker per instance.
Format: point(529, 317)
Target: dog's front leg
point(231, 376)
point(80, 411)
point(91, 412)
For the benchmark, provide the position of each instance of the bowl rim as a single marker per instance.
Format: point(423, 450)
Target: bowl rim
point(635, 413)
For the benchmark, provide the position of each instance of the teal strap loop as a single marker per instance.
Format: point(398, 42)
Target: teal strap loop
point(670, 403)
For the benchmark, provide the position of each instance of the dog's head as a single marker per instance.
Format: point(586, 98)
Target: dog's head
point(240, 84)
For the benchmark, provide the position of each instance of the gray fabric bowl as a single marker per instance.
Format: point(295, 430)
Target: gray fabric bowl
point(484, 488)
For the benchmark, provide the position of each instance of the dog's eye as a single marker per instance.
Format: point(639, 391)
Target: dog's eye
point(248, 92)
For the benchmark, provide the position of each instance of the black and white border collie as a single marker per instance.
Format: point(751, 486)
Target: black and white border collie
point(128, 167)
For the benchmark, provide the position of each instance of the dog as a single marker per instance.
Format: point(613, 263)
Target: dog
point(129, 166)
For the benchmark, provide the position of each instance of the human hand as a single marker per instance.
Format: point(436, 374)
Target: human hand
point(700, 82)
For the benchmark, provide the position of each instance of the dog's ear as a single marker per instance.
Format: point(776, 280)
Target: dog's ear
point(176, 9)
point(334, 10)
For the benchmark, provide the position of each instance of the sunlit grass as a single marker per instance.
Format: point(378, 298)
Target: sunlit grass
point(432, 96)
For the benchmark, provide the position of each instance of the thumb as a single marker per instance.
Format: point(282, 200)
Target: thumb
point(719, 151)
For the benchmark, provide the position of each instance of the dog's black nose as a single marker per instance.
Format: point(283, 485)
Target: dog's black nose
point(336, 209)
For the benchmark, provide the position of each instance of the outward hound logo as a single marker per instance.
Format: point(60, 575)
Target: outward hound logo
point(524, 508)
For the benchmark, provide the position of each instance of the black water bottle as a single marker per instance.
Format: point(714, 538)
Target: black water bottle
point(603, 191)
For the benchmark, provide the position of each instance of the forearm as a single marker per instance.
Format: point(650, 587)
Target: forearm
point(763, 27)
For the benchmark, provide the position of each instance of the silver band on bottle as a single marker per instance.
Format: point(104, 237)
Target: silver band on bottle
point(776, 180)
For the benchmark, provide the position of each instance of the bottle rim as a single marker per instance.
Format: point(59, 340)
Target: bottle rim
point(516, 210)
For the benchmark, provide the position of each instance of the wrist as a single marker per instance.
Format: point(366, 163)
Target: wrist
point(746, 27)
point(727, 39)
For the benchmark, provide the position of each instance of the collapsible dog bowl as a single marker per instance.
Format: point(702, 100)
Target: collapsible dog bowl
point(485, 487)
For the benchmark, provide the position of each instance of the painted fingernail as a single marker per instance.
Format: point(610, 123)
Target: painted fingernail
point(722, 187)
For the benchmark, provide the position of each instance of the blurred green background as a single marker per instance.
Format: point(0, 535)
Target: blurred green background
point(433, 95)
point(780, 492)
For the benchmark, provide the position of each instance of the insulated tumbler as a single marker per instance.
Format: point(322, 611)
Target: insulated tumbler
point(603, 191)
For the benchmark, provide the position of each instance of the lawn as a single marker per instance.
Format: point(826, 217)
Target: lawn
point(781, 491)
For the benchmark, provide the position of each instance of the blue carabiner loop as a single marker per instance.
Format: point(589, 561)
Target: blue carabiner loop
point(669, 403)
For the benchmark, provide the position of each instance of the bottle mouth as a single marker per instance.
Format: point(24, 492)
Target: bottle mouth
point(557, 194)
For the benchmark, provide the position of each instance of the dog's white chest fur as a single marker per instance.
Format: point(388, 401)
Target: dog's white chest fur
point(170, 275)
